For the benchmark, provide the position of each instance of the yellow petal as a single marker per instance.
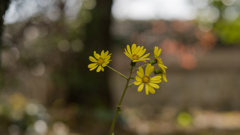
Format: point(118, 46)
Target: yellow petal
point(107, 57)
point(93, 68)
point(102, 69)
point(137, 49)
point(92, 59)
point(105, 64)
point(127, 54)
point(138, 79)
point(92, 65)
point(142, 59)
point(133, 48)
point(140, 53)
point(106, 54)
point(140, 74)
point(135, 60)
point(155, 79)
point(155, 51)
point(102, 54)
point(141, 71)
point(99, 68)
point(96, 55)
point(162, 67)
point(140, 87)
point(164, 77)
point(106, 61)
point(159, 52)
point(147, 89)
point(149, 70)
point(129, 50)
point(145, 55)
point(154, 85)
point(151, 89)
point(137, 82)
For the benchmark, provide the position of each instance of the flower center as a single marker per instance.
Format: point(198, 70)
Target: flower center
point(145, 79)
point(100, 61)
point(135, 57)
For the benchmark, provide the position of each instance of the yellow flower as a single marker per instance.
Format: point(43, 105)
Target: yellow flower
point(149, 82)
point(160, 64)
point(164, 76)
point(162, 73)
point(136, 53)
point(100, 61)
point(157, 52)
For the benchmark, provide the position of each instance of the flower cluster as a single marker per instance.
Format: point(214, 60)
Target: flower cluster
point(136, 54)
point(147, 80)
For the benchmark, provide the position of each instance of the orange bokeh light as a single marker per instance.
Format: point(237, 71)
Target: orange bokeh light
point(169, 46)
point(187, 61)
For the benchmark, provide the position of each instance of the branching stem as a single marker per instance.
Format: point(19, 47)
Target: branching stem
point(117, 72)
point(120, 102)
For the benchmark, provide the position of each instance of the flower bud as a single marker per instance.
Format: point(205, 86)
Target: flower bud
point(133, 64)
point(158, 71)
point(152, 62)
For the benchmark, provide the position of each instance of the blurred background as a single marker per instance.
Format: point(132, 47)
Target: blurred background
point(47, 89)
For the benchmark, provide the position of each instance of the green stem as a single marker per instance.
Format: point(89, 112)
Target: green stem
point(117, 72)
point(140, 66)
point(120, 102)
point(130, 84)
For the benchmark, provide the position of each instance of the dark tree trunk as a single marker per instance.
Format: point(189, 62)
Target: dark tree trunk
point(3, 7)
point(94, 90)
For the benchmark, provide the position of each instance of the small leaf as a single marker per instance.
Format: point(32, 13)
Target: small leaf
point(152, 62)
point(119, 108)
point(130, 85)
point(158, 71)
point(132, 78)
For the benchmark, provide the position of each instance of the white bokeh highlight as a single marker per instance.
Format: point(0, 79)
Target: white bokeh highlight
point(153, 10)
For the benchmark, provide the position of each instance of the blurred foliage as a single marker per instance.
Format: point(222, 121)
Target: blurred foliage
point(55, 45)
point(222, 16)
point(228, 31)
point(19, 114)
point(45, 58)
point(184, 119)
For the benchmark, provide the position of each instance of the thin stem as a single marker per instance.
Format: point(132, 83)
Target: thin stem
point(120, 102)
point(130, 84)
point(140, 66)
point(117, 72)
